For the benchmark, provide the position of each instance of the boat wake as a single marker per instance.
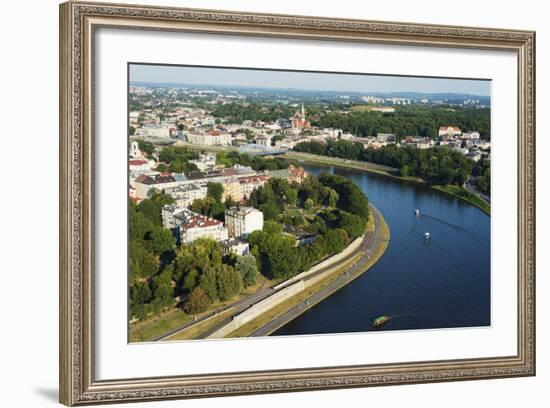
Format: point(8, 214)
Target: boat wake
point(455, 227)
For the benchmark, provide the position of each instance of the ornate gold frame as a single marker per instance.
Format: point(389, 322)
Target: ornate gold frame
point(78, 22)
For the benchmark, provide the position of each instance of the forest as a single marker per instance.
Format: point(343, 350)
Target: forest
point(437, 165)
point(407, 121)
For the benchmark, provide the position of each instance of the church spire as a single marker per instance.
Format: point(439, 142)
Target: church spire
point(303, 111)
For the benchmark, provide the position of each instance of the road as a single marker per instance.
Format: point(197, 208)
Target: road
point(471, 187)
point(238, 307)
point(371, 242)
point(248, 301)
point(364, 247)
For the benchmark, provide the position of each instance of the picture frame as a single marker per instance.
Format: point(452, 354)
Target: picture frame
point(79, 22)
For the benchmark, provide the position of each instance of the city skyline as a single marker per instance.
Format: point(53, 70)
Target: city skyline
point(307, 81)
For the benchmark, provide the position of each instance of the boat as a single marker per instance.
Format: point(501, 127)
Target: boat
point(380, 321)
point(426, 235)
point(417, 212)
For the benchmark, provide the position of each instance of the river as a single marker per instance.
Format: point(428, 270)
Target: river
point(442, 282)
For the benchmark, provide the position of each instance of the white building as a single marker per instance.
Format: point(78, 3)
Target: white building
point(385, 137)
point(140, 166)
point(204, 162)
point(448, 132)
point(185, 194)
point(168, 212)
point(235, 246)
point(155, 131)
point(160, 181)
point(471, 136)
point(212, 138)
point(241, 221)
point(192, 226)
point(135, 152)
point(264, 140)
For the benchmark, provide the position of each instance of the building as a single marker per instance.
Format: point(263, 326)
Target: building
point(299, 120)
point(190, 226)
point(248, 184)
point(155, 131)
point(160, 181)
point(185, 194)
point(232, 188)
point(449, 132)
point(193, 226)
point(471, 136)
point(418, 142)
point(211, 138)
point(263, 140)
point(291, 174)
point(241, 221)
point(474, 155)
point(135, 152)
point(140, 166)
point(168, 212)
point(204, 162)
point(235, 246)
point(385, 138)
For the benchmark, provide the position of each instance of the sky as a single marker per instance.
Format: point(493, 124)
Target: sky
point(304, 80)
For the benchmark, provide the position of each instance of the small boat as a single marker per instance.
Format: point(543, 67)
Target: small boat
point(417, 212)
point(426, 235)
point(380, 321)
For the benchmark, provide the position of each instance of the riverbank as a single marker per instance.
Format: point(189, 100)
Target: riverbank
point(465, 195)
point(319, 287)
point(352, 164)
point(452, 190)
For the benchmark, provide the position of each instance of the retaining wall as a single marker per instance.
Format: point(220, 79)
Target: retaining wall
point(256, 310)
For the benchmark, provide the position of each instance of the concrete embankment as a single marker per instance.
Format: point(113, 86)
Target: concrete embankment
point(324, 264)
point(259, 308)
point(377, 241)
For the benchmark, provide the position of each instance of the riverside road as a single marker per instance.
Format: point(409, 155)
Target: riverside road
point(370, 243)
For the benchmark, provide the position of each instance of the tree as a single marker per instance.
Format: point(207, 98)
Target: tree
point(215, 190)
point(247, 267)
point(163, 294)
point(151, 211)
point(161, 167)
point(143, 264)
point(208, 283)
point(197, 302)
point(282, 257)
point(330, 196)
point(404, 171)
point(270, 210)
point(272, 228)
point(229, 282)
point(159, 241)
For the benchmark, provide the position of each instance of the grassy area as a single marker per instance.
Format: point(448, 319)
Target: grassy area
point(157, 326)
point(370, 223)
point(353, 164)
point(463, 194)
point(280, 309)
point(152, 328)
point(195, 330)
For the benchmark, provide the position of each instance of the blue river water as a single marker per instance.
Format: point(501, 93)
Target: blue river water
point(442, 282)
